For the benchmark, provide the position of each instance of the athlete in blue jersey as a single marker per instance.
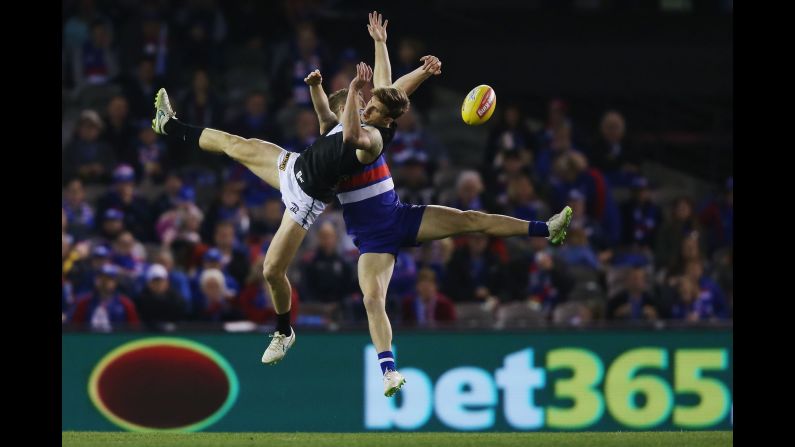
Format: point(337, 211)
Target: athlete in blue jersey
point(374, 216)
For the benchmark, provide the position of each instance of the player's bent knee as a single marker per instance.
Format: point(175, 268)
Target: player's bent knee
point(472, 220)
point(273, 272)
point(374, 302)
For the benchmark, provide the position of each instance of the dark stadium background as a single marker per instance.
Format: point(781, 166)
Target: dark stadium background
point(665, 66)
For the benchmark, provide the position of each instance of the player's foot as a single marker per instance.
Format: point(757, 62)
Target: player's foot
point(163, 112)
point(393, 382)
point(278, 347)
point(558, 224)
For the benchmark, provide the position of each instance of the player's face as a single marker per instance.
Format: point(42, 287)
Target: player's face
point(374, 112)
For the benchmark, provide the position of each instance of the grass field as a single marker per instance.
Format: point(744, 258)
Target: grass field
point(634, 439)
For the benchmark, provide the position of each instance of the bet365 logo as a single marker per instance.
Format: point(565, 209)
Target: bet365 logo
point(633, 392)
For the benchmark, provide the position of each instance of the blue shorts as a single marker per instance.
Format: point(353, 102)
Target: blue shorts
point(384, 229)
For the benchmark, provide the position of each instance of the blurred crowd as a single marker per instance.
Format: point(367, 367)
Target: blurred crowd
point(154, 234)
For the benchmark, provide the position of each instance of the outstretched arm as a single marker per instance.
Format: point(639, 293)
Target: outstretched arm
point(431, 65)
point(353, 135)
point(383, 71)
point(325, 116)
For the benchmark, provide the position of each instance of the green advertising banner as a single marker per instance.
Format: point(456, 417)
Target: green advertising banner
point(504, 381)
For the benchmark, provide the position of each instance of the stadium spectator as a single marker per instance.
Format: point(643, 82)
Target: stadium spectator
point(640, 217)
point(427, 306)
point(183, 220)
point(470, 193)
point(83, 274)
point(147, 38)
point(548, 283)
point(111, 226)
point(301, 55)
point(689, 250)
point(255, 299)
point(698, 298)
point(77, 28)
point(412, 184)
point(150, 164)
point(265, 220)
point(306, 131)
point(204, 29)
point(572, 172)
point(718, 218)
point(611, 154)
point(681, 223)
point(88, 157)
point(212, 259)
point(410, 50)
point(159, 303)
point(94, 62)
point(404, 275)
point(509, 134)
point(635, 303)
point(123, 197)
point(219, 302)
point(509, 164)
point(413, 142)
point(129, 255)
point(557, 119)
point(711, 303)
point(78, 212)
point(177, 279)
point(227, 207)
point(141, 88)
point(577, 252)
point(200, 105)
point(474, 273)
point(326, 276)
point(234, 256)
point(521, 200)
point(173, 193)
point(255, 121)
point(105, 307)
point(120, 131)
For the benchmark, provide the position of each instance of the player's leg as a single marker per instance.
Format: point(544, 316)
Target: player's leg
point(281, 252)
point(257, 155)
point(439, 222)
point(375, 271)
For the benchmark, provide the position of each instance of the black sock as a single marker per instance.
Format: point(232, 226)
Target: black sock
point(183, 133)
point(283, 323)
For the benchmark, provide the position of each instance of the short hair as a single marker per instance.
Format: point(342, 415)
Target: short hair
point(336, 100)
point(395, 100)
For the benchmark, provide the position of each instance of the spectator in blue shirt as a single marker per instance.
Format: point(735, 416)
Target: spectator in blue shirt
point(88, 157)
point(79, 213)
point(640, 216)
point(635, 303)
point(124, 198)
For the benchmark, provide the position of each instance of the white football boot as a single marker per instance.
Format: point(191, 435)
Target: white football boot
point(558, 224)
point(393, 382)
point(163, 112)
point(276, 351)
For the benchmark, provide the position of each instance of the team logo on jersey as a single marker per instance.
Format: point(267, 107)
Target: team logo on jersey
point(283, 164)
point(299, 176)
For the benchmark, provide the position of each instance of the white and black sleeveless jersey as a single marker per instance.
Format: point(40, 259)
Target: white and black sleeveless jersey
point(322, 165)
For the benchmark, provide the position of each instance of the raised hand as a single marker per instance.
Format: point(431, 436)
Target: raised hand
point(364, 74)
point(375, 28)
point(313, 78)
point(431, 64)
